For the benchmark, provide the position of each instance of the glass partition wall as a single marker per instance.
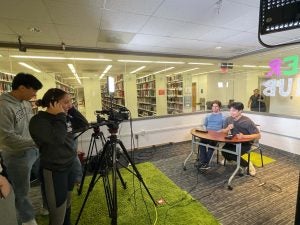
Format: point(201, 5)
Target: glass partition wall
point(155, 86)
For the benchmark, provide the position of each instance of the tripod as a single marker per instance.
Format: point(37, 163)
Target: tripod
point(108, 162)
point(97, 134)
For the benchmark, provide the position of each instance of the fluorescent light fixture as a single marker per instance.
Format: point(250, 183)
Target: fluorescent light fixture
point(29, 67)
point(167, 62)
point(1, 55)
point(107, 68)
point(249, 66)
point(212, 71)
point(72, 78)
point(218, 47)
point(264, 67)
point(134, 61)
point(90, 59)
point(220, 84)
point(138, 69)
point(147, 61)
point(169, 68)
point(111, 84)
point(186, 70)
point(72, 68)
point(58, 58)
point(105, 71)
point(199, 63)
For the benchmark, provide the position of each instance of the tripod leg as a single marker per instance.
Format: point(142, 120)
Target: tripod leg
point(138, 175)
point(92, 146)
point(79, 191)
point(114, 184)
point(121, 179)
point(93, 180)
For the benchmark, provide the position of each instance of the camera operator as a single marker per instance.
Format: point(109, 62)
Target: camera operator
point(52, 130)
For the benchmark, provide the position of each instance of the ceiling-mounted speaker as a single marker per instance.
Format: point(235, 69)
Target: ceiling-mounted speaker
point(278, 15)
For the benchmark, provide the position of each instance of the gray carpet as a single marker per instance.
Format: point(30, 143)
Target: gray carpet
point(268, 198)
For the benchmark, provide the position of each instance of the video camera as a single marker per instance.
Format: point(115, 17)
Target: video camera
point(116, 115)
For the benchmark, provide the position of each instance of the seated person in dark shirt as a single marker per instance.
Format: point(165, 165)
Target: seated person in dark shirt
point(243, 127)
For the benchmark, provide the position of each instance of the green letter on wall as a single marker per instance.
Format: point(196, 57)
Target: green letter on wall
point(292, 62)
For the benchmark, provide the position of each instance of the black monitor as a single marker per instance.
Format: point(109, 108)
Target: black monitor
point(278, 15)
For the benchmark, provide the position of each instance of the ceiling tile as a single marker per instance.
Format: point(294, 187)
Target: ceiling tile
point(180, 10)
point(31, 10)
point(69, 14)
point(77, 35)
point(174, 28)
point(144, 7)
point(122, 21)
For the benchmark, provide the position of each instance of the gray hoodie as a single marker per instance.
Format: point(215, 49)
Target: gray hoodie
point(14, 124)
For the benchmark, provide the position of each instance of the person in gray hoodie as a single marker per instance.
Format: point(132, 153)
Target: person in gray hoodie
point(53, 131)
point(19, 151)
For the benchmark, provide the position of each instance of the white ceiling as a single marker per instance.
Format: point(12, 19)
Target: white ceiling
point(175, 27)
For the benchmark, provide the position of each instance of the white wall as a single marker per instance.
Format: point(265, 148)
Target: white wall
point(281, 133)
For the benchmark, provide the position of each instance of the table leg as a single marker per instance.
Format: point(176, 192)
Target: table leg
point(238, 162)
point(191, 153)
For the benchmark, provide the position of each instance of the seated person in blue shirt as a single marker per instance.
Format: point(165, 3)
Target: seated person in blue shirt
point(213, 121)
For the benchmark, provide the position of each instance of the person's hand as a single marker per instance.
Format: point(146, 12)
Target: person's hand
point(5, 188)
point(239, 136)
point(230, 126)
point(55, 108)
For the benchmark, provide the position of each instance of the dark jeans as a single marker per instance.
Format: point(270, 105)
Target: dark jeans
point(205, 154)
point(245, 148)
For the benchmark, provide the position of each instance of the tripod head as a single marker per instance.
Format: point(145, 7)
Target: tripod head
point(114, 118)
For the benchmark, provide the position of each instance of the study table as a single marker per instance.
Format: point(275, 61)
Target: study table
point(218, 137)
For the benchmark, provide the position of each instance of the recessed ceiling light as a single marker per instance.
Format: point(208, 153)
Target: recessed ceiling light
point(186, 70)
point(199, 63)
point(58, 58)
point(138, 69)
point(29, 67)
point(249, 66)
point(72, 68)
point(218, 47)
point(34, 29)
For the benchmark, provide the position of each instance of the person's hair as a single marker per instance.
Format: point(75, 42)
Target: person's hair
point(27, 80)
point(216, 102)
point(256, 89)
point(51, 96)
point(236, 105)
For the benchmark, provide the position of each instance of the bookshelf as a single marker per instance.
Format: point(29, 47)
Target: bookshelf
point(5, 82)
point(175, 94)
point(118, 99)
point(146, 96)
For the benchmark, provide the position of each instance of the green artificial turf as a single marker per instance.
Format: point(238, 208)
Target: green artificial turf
point(135, 205)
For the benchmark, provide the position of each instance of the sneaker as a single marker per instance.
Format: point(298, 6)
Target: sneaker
point(204, 166)
point(252, 170)
point(199, 165)
point(44, 212)
point(30, 222)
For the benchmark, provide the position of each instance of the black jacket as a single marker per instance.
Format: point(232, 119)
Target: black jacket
point(55, 139)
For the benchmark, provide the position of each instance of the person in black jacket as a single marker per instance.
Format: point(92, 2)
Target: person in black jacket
point(53, 132)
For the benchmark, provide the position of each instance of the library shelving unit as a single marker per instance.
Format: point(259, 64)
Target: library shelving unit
point(118, 99)
point(67, 88)
point(146, 96)
point(5, 82)
point(175, 94)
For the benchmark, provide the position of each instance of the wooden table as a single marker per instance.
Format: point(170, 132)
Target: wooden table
point(218, 137)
